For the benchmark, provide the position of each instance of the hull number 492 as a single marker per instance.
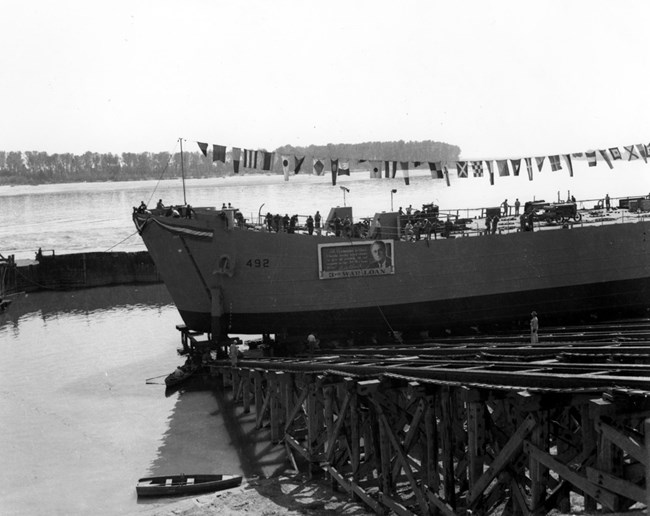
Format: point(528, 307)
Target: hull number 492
point(257, 263)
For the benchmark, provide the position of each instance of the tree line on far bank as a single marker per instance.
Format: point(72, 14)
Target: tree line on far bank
point(34, 167)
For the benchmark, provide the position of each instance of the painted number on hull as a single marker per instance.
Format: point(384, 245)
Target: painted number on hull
point(258, 263)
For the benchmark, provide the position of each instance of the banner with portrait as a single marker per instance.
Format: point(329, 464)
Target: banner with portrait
point(356, 259)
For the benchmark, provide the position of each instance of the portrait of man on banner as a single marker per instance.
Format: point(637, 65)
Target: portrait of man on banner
point(380, 257)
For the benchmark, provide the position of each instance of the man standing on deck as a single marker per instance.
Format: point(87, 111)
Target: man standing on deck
point(534, 328)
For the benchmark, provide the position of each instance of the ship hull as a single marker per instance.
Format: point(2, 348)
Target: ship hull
point(256, 282)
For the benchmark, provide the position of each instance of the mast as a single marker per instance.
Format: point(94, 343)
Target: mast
point(183, 172)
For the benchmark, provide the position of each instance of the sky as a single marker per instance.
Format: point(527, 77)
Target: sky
point(500, 79)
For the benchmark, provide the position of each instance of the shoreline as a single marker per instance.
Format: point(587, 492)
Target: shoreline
point(287, 494)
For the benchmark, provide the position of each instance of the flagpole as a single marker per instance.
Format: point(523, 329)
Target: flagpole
point(183, 172)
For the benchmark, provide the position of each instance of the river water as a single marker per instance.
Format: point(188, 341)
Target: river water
point(79, 424)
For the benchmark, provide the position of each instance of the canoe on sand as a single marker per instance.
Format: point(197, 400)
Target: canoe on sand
point(174, 485)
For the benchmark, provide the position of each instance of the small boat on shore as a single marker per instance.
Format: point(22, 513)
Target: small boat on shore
point(180, 374)
point(174, 485)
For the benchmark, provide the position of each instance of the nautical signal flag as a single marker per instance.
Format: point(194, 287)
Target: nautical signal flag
point(529, 168)
point(264, 160)
point(567, 158)
point(267, 162)
point(298, 164)
point(375, 170)
point(516, 165)
point(436, 169)
point(490, 171)
point(631, 152)
point(285, 167)
point(404, 165)
point(605, 156)
point(318, 167)
point(236, 156)
point(591, 158)
point(250, 158)
point(555, 163)
point(219, 153)
point(502, 166)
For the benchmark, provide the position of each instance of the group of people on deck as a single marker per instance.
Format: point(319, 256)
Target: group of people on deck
point(277, 223)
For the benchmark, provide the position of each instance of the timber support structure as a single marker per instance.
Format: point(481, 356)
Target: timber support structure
point(411, 434)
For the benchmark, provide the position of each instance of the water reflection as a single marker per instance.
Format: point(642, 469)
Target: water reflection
point(86, 301)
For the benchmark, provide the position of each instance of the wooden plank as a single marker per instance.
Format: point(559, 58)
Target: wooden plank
point(296, 446)
point(413, 431)
point(401, 456)
point(617, 485)
point(647, 447)
point(431, 429)
point(355, 444)
point(475, 440)
point(624, 442)
point(297, 407)
point(336, 430)
point(518, 497)
point(588, 434)
point(394, 505)
point(447, 438)
point(538, 472)
point(443, 507)
point(603, 496)
point(512, 447)
point(356, 489)
point(265, 407)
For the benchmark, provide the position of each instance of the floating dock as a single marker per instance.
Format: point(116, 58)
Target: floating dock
point(465, 425)
point(49, 271)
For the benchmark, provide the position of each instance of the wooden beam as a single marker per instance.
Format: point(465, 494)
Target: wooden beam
point(617, 485)
point(356, 489)
point(624, 442)
point(401, 456)
point(512, 447)
point(603, 496)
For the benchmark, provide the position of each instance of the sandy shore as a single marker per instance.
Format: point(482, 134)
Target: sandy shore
point(283, 495)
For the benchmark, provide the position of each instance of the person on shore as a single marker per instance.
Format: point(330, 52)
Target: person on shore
point(233, 353)
point(347, 227)
point(312, 343)
point(317, 218)
point(408, 230)
point(310, 225)
point(377, 233)
point(495, 222)
point(448, 228)
point(534, 328)
point(607, 203)
point(505, 207)
point(517, 205)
